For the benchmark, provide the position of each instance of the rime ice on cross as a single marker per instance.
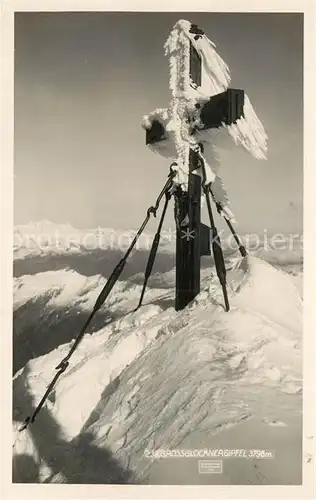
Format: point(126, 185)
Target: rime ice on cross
point(201, 101)
point(181, 127)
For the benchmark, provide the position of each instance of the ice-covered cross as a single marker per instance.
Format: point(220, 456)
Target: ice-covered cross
point(201, 101)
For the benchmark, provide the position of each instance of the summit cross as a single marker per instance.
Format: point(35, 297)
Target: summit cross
point(201, 101)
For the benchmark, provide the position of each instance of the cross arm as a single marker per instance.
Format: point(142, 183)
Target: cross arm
point(224, 108)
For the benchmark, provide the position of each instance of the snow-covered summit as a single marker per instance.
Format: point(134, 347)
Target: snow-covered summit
point(151, 381)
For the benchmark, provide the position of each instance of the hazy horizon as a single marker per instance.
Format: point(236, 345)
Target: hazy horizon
point(83, 81)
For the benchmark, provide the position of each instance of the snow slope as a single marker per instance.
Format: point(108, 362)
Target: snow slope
point(53, 294)
point(44, 238)
point(200, 378)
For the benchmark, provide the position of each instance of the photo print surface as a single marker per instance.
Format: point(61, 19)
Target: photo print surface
point(158, 248)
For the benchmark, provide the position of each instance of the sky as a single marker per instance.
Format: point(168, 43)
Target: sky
point(83, 81)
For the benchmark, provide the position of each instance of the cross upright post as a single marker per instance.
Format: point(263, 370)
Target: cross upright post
point(188, 219)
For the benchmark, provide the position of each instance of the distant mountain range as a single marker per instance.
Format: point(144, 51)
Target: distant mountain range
point(45, 238)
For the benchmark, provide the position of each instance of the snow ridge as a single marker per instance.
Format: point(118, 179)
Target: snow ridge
point(168, 378)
